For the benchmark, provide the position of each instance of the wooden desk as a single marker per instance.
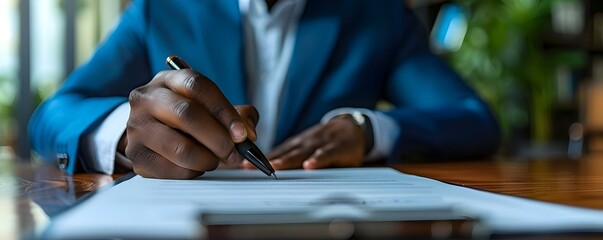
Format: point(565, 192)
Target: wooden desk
point(571, 182)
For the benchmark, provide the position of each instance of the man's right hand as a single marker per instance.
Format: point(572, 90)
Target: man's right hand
point(181, 125)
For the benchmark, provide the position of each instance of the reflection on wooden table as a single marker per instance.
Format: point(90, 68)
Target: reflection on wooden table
point(572, 182)
point(39, 193)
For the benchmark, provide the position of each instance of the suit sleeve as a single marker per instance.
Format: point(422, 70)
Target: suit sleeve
point(91, 92)
point(439, 115)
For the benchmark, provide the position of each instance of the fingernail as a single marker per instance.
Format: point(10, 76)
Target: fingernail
point(309, 164)
point(276, 163)
point(237, 130)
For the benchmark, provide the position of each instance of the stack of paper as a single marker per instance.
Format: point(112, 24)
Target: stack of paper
point(156, 208)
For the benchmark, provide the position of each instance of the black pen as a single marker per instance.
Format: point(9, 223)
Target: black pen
point(246, 148)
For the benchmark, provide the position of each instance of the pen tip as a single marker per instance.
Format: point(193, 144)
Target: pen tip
point(274, 174)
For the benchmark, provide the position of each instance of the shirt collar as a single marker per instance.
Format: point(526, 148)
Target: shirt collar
point(260, 8)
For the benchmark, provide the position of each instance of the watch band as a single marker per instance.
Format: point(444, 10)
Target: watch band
point(364, 121)
point(369, 138)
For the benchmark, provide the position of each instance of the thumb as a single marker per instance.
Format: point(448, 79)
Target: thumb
point(250, 117)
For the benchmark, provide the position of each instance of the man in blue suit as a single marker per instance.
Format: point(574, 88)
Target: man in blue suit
point(314, 70)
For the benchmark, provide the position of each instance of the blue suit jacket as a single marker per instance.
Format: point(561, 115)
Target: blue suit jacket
point(347, 54)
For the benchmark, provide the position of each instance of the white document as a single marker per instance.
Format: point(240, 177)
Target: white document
point(156, 208)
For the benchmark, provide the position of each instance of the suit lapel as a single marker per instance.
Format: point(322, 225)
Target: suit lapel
point(315, 39)
point(223, 43)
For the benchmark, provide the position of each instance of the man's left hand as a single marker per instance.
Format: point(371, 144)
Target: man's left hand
point(338, 143)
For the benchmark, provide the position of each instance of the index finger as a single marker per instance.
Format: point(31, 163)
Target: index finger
point(201, 89)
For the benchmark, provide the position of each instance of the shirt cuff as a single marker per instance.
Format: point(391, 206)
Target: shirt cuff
point(101, 143)
point(385, 130)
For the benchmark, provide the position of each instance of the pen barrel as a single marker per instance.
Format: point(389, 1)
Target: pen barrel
point(253, 154)
point(176, 63)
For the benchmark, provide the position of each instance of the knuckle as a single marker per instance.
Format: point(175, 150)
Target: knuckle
point(136, 125)
point(298, 153)
point(160, 76)
point(292, 157)
point(225, 147)
point(146, 169)
point(333, 148)
point(183, 108)
point(219, 110)
point(134, 150)
point(144, 161)
point(131, 128)
point(152, 166)
point(136, 94)
point(131, 150)
point(297, 141)
point(195, 84)
point(190, 83)
point(183, 151)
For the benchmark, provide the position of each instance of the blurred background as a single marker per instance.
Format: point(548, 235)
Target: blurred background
point(538, 63)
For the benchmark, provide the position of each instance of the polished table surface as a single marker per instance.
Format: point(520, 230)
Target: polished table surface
point(43, 191)
point(571, 182)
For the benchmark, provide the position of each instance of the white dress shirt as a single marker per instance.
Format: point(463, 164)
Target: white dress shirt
point(269, 41)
